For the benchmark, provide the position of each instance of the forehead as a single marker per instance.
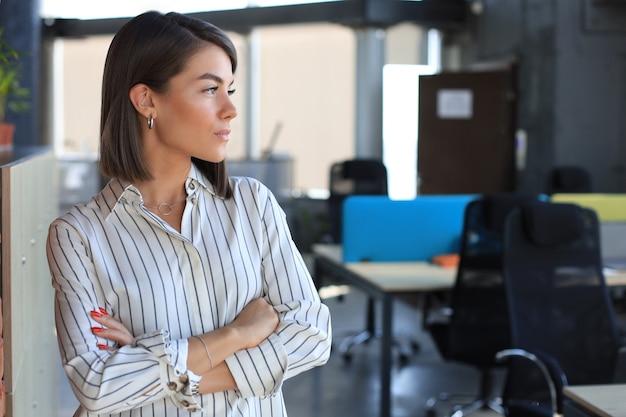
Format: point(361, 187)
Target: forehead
point(209, 58)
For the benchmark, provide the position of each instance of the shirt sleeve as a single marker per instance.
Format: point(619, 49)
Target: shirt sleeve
point(114, 380)
point(303, 338)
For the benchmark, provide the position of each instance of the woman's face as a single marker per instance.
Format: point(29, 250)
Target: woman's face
point(193, 117)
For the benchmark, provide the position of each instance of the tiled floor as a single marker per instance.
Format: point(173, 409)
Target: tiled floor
point(353, 389)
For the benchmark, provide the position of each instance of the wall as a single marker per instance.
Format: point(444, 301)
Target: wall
point(29, 203)
point(590, 90)
point(571, 93)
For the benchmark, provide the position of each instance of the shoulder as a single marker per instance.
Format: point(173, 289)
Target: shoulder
point(247, 187)
point(95, 211)
point(76, 218)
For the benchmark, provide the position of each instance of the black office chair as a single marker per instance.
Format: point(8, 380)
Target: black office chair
point(475, 324)
point(352, 177)
point(563, 328)
point(358, 177)
point(569, 179)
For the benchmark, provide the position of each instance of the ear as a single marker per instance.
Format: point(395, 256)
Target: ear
point(141, 97)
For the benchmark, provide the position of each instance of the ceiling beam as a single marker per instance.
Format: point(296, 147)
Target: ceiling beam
point(442, 14)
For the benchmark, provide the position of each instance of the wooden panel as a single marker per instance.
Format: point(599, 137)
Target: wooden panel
point(29, 203)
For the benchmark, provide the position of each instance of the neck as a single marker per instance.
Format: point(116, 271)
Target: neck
point(164, 187)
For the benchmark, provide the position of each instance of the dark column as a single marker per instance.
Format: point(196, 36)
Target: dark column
point(22, 30)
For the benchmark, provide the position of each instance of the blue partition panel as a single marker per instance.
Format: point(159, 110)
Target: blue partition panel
point(378, 229)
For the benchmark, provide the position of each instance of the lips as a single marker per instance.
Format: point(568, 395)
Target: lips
point(223, 134)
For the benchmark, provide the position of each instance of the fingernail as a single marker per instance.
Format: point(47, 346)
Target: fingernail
point(102, 346)
point(94, 313)
point(97, 329)
point(103, 311)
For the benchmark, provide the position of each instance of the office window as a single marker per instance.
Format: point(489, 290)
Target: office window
point(306, 94)
point(306, 77)
point(307, 74)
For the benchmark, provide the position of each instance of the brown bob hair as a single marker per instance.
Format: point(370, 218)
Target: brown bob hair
point(150, 49)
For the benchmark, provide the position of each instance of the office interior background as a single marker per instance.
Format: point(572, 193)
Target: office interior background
point(311, 87)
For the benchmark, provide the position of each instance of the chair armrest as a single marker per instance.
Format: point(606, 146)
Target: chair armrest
point(549, 368)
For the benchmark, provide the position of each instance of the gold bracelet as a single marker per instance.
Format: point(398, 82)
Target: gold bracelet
point(206, 348)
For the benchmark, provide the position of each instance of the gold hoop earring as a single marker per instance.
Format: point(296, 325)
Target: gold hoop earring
point(150, 122)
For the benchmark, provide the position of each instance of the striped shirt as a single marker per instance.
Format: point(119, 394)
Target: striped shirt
point(166, 286)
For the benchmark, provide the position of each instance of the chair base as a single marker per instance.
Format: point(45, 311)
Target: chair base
point(405, 348)
point(494, 404)
point(483, 401)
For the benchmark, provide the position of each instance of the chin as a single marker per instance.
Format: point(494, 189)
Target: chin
point(211, 158)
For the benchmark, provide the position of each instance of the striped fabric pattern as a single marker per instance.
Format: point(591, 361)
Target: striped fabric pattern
point(166, 286)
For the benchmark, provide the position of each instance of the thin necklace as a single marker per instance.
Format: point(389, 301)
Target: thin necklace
point(166, 208)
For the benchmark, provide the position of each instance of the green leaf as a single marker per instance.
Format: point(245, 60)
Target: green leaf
point(12, 94)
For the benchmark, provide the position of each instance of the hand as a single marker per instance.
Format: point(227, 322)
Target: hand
point(256, 322)
point(111, 329)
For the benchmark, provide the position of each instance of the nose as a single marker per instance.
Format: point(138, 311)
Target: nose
point(229, 111)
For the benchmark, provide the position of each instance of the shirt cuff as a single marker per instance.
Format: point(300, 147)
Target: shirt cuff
point(180, 383)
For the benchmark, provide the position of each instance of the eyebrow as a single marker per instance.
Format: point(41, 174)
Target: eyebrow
point(216, 78)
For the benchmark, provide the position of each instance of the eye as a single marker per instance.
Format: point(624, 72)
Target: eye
point(211, 90)
point(231, 91)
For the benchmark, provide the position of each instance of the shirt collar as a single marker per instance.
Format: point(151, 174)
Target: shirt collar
point(197, 179)
point(118, 192)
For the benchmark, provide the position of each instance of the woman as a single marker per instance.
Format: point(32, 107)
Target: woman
point(178, 289)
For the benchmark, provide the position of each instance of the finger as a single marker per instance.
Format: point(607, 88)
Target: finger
point(106, 319)
point(99, 315)
point(123, 338)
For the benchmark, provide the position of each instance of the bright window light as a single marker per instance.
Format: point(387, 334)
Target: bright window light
point(400, 119)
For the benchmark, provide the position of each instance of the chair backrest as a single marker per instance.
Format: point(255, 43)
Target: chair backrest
point(352, 177)
point(479, 325)
point(558, 300)
point(569, 179)
point(611, 212)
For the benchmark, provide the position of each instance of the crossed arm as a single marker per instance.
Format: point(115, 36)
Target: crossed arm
point(253, 325)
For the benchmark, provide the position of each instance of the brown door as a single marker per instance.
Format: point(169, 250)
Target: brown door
point(466, 133)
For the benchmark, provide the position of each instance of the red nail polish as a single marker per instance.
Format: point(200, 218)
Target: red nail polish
point(97, 329)
point(102, 346)
point(94, 313)
point(103, 311)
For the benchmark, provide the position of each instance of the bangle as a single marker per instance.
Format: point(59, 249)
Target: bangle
point(206, 348)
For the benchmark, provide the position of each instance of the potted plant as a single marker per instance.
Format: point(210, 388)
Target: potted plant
point(12, 95)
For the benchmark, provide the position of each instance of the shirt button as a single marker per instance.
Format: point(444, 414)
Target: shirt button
point(194, 409)
point(172, 385)
point(193, 200)
point(185, 403)
point(192, 186)
point(184, 379)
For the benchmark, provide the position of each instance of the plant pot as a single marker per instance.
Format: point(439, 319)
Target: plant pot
point(6, 136)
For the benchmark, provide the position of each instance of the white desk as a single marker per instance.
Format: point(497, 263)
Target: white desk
point(386, 280)
point(596, 400)
point(383, 281)
point(394, 277)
